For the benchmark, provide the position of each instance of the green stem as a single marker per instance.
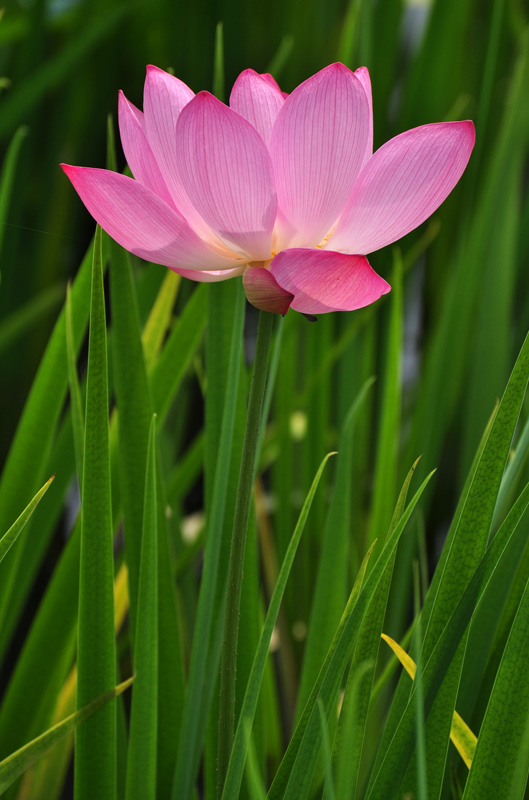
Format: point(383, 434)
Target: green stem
point(238, 545)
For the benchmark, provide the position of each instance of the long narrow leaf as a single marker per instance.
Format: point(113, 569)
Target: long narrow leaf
point(95, 746)
point(75, 391)
point(9, 538)
point(141, 764)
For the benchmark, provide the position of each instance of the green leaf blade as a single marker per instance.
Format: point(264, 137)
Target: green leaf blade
point(95, 753)
point(141, 762)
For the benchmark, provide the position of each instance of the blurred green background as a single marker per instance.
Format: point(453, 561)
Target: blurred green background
point(466, 300)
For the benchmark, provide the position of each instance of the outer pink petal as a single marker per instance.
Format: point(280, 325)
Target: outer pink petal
point(141, 222)
point(209, 276)
point(227, 172)
point(164, 97)
point(264, 292)
point(322, 280)
point(258, 99)
point(137, 150)
point(402, 184)
point(362, 73)
point(318, 145)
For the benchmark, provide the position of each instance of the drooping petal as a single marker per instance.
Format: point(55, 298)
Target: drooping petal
point(164, 97)
point(258, 99)
point(264, 292)
point(137, 151)
point(227, 173)
point(404, 182)
point(317, 146)
point(141, 222)
point(362, 73)
point(322, 280)
point(209, 276)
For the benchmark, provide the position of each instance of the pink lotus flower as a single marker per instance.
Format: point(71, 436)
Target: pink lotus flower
point(283, 190)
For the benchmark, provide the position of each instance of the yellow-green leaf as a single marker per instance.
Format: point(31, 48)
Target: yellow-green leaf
point(464, 740)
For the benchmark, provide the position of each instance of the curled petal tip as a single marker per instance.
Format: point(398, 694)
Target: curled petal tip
point(263, 291)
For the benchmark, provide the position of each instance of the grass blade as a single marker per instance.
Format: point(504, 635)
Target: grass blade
point(95, 753)
point(178, 352)
point(160, 317)
point(9, 538)
point(75, 391)
point(141, 763)
point(134, 410)
point(385, 478)
point(7, 178)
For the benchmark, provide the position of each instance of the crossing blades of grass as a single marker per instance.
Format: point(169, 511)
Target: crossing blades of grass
point(461, 735)
point(330, 590)
point(16, 764)
point(95, 746)
point(295, 773)
point(350, 735)
point(238, 755)
point(193, 717)
point(47, 778)
point(386, 781)
point(27, 459)
point(501, 761)
point(465, 545)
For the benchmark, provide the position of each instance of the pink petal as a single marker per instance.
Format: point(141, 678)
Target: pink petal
point(164, 97)
point(263, 291)
point(404, 182)
point(322, 280)
point(209, 276)
point(318, 145)
point(258, 99)
point(362, 73)
point(227, 172)
point(273, 82)
point(137, 150)
point(141, 222)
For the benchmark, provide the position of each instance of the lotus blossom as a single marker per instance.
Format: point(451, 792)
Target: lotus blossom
point(284, 190)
